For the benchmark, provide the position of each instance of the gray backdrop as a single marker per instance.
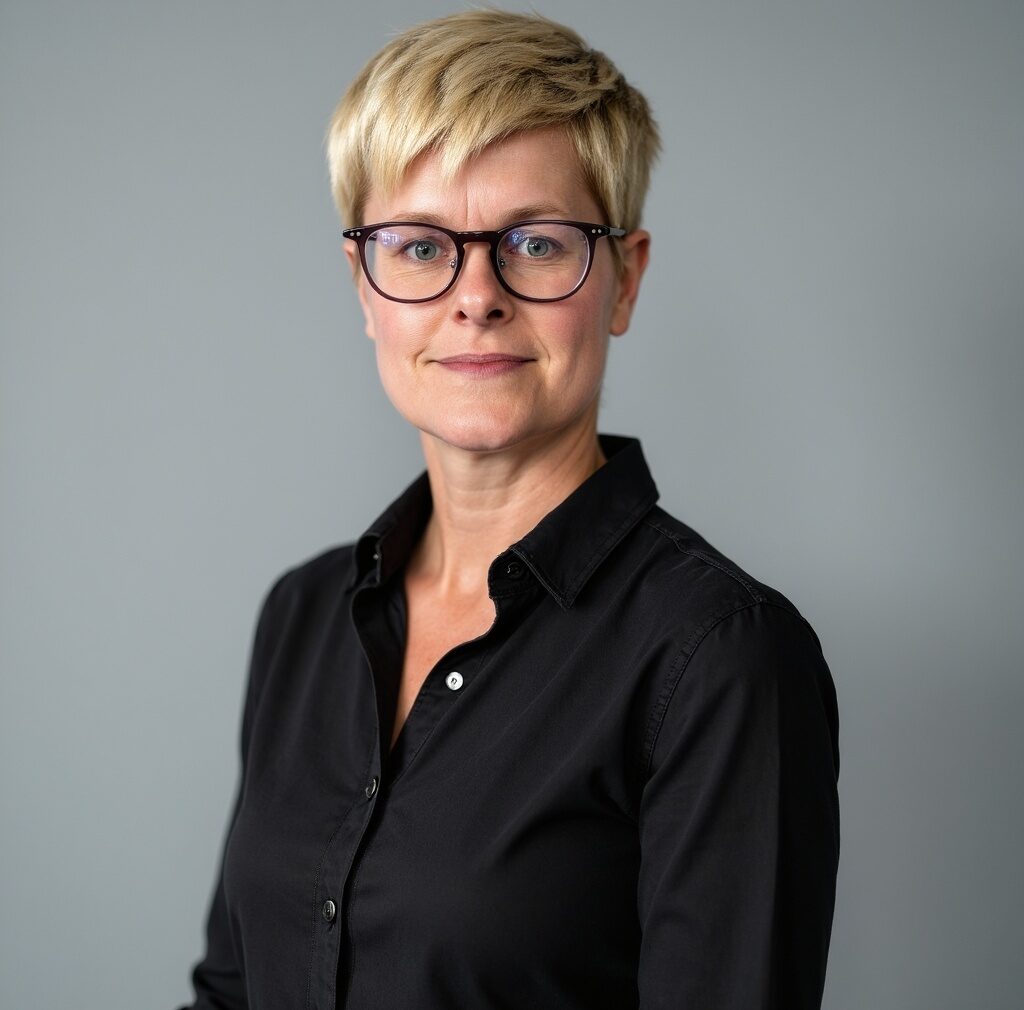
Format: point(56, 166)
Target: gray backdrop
point(824, 370)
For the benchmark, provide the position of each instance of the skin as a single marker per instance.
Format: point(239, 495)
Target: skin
point(500, 451)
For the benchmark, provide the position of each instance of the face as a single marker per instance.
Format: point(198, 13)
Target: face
point(565, 343)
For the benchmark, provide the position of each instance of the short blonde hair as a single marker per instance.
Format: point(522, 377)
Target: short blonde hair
point(461, 82)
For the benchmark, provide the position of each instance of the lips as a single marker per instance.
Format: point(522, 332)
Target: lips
point(480, 359)
point(483, 366)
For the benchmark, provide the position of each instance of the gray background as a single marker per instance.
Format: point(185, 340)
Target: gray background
point(824, 370)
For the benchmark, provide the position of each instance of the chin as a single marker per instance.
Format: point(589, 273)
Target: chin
point(476, 433)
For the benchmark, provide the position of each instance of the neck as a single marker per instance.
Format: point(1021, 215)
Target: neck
point(485, 501)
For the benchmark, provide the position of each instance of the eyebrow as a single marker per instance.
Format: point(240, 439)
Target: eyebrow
point(510, 217)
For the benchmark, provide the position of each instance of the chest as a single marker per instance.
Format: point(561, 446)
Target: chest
point(433, 629)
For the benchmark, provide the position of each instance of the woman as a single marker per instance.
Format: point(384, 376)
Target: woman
point(530, 741)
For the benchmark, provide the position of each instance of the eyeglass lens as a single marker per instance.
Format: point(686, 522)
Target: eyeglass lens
point(417, 261)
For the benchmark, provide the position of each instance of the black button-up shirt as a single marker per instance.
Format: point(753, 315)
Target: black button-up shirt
point(624, 794)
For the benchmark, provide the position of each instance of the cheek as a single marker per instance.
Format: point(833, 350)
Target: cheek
point(585, 326)
point(402, 337)
point(392, 325)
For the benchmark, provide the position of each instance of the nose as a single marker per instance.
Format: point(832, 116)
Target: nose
point(479, 296)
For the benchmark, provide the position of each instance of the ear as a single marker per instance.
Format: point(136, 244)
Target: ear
point(636, 249)
point(359, 279)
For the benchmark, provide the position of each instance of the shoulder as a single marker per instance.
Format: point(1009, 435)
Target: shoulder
point(297, 601)
point(698, 584)
point(319, 579)
point(740, 644)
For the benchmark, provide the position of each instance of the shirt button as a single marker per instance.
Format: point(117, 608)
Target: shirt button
point(371, 788)
point(454, 680)
point(514, 570)
point(328, 911)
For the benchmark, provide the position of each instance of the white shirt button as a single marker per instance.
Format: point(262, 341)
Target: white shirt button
point(454, 680)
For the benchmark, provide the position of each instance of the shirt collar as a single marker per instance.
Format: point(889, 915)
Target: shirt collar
point(562, 551)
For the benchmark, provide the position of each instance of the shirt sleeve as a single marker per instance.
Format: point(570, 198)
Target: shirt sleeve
point(218, 978)
point(739, 821)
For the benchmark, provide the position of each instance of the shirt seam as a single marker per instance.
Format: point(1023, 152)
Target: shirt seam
point(679, 666)
point(756, 595)
point(675, 674)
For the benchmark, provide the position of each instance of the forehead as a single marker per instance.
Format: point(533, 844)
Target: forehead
point(536, 173)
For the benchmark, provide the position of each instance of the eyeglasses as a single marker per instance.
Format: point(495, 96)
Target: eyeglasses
point(538, 261)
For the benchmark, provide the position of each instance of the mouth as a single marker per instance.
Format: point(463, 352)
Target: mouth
point(484, 365)
point(481, 358)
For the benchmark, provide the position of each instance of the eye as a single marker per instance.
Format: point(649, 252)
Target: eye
point(523, 243)
point(422, 249)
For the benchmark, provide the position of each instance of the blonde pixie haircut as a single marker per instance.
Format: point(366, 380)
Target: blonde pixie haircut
point(461, 82)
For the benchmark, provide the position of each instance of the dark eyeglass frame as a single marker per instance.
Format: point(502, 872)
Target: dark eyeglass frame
point(591, 230)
